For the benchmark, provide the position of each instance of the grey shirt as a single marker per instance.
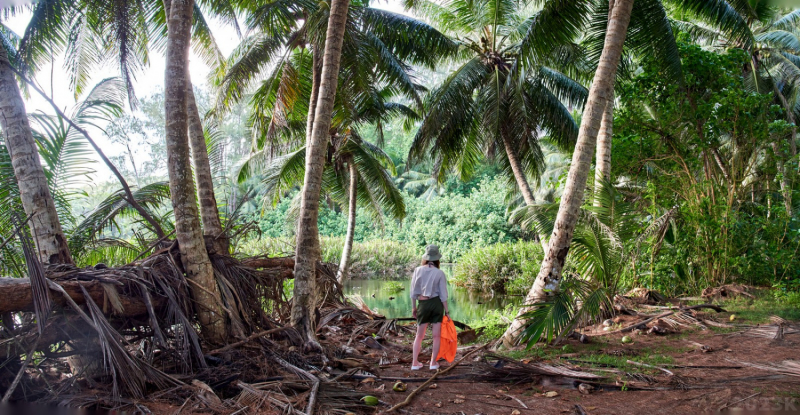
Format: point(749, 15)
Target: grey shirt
point(430, 282)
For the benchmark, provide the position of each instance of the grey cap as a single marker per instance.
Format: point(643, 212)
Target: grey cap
point(432, 253)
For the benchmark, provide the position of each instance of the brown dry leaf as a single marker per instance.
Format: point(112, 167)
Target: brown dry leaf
point(368, 380)
point(551, 394)
point(380, 388)
point(438, 404)
point(461, 397)
point(433, 386)
point(526, 361)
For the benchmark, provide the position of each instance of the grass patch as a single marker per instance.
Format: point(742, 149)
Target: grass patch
point(759, 309)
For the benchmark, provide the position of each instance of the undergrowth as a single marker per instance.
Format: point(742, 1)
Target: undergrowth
point(503, 267)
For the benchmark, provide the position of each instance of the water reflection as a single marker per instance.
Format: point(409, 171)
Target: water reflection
point(465, 305)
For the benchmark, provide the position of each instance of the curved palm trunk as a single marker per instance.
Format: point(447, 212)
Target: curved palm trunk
point(602, 163)
point(602, 88)
point(308, 251)
point(344, 263)
point(184, 201)
point(215, 237)
point(33, 188)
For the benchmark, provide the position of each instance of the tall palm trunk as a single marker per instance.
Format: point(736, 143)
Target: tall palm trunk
point(308, 253)
point(521, 179)
point(215, 238)
point(33, 188)
point(519, 172)
point(602, 163)
point(344, 263)
point(181, 184)
point(601, 91)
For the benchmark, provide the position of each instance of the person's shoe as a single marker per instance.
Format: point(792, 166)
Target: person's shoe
point(416, 367)
point(434, 367)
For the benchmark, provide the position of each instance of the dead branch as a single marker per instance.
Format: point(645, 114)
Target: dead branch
point(411, 395)
point(631, 362)
point(245, 341)
point(17, 378)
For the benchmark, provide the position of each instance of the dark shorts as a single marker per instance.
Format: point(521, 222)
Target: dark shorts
point(430, 311)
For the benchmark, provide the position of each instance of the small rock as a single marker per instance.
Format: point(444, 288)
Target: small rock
point(458, 401)
point(584, 339)
point(551, 394)
point(438, 404)
point(515, 412)
point(608, 323)
point(433, 386)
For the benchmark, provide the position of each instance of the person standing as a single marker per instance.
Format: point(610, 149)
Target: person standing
point(429, 288)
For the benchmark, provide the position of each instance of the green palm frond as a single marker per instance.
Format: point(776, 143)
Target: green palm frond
point(409, 39)
point(104, 217)
point(559, 22)
point(719, 14)
point(779, 39)
point(45, 35)
point(578, 302)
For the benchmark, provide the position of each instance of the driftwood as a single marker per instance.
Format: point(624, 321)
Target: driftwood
point(438, 373)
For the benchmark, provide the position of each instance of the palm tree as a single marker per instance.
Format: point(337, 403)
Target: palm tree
point(37, 200)
point(359, 174)
point(372, 37)
point(513, 83)
point(547, 282)
point(194, 256)
point(773, 44)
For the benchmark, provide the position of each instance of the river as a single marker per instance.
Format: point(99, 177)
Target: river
point(467, 306)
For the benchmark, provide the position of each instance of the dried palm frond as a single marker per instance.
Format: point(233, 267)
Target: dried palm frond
point(41, 294)
point(787, 367)
point(125, 369)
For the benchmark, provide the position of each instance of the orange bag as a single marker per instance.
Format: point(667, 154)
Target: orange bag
point(449, 340)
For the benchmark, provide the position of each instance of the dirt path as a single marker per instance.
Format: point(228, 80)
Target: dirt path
point(689, 390)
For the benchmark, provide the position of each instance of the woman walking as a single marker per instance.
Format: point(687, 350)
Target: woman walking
point(429, 287)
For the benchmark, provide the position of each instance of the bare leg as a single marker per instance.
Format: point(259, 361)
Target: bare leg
point(418, 343)
point(437, 339)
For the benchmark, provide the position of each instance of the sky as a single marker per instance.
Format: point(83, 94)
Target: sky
point(147, 82)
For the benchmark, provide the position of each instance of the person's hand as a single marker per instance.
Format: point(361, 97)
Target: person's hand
point(414, 313)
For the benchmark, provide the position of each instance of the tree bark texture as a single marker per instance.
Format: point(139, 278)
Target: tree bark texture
point(184, 202)
point(308, 251)
point(602, 163)
point(344, 263)
point(600, 93)
point(209, 214)
point(34, 191)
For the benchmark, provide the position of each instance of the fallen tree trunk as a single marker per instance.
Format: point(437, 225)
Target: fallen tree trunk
point(17, 296)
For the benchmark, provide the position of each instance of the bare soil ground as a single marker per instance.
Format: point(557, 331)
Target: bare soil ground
point(701, 381)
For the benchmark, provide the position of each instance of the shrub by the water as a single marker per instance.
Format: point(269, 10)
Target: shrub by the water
point(374, 259)
point(503, 267)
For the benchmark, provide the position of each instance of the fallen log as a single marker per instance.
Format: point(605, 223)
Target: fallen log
point(17, 296)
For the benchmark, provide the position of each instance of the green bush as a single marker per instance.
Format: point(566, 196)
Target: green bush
point(374, 259)
point(503, 267)
point(494, 323)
